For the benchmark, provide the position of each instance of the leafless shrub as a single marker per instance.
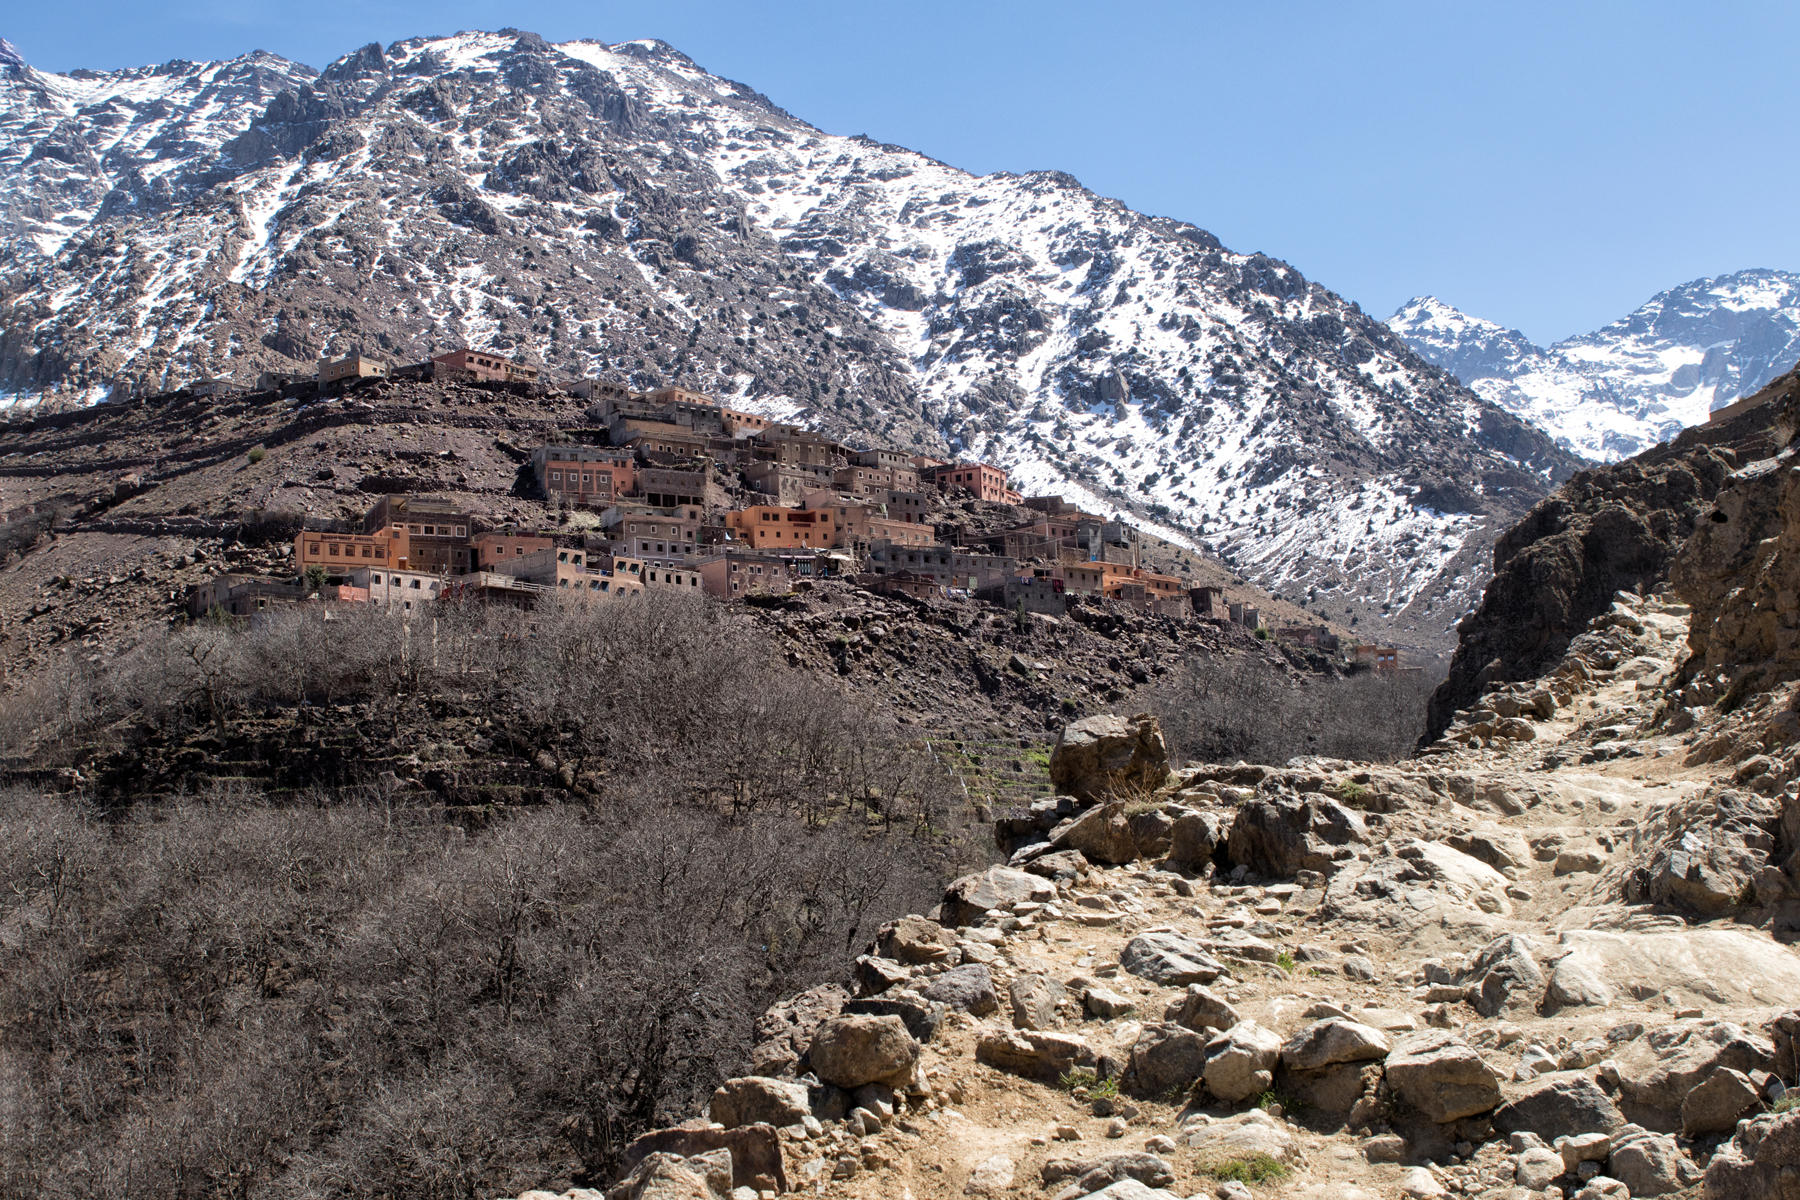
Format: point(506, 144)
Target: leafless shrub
point(1243, 708)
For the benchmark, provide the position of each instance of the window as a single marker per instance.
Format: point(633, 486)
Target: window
point(414, 585)
point(312, 547)
point(368, 551)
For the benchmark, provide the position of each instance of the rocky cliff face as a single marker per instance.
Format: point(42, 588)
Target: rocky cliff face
point(618, 210)
point(1613, 528)
point(1641, 380)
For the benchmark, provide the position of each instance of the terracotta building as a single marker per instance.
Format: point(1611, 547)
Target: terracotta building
point(594, 476)
point(437, 531)
point(767, 526)
point(339, 553)
point(351, 366)
point(497, 546)
point(733, 576)
point(984, 481)
point(482, 364)
point(396, 591)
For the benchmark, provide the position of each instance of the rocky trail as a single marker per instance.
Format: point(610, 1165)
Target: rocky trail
point(1514, 966)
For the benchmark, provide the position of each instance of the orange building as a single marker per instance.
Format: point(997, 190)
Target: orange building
point(484, 365)
point(340, 553)
point(591, 475)
point(985, 481)
point(769, 527)
point(496, 546)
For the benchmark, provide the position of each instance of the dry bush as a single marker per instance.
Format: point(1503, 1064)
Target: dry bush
point(1244, 708)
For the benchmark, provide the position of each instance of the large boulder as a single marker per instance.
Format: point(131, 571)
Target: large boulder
point(972, 897)
point(1202, 1010)
point(1505, 977)
point(754, 1152)
point(1559, 1104)
point(1240, 1063)
point(1441, 1076)
point(1103, 834)
point(1650, 1164)
point(674, 1177)
point(1716, 1105)
point(852, 1051)
point(1100, 1171)
point(968, 988)
point(1761, 1163)
point(1105, 757)
point(1169, 959)
point(1280, 836)
point(1193, 840)
point(1654, 1091)
point(785, 1030)
point(1166, 1059)
point(754, 1099)
point(914, 941)
point(1034, 1054)
point(1034, 1001)
point(1704, 853)
point(1330, 1042)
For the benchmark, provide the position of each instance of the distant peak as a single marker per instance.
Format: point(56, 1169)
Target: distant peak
point(9, 55)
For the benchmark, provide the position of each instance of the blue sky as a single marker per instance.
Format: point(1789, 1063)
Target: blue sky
point(1549, 166)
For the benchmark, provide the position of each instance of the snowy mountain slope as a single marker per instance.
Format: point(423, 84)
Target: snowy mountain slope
point(618, 210)
point(1618, 390)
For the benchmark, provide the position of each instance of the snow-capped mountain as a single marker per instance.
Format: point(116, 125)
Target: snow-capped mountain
point(1639, 381)
point(618, 210)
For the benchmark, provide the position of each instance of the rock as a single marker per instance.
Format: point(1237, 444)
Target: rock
point(1502, 851)
point(1583, 1147)
point(921, 1017)
point(1420, 1184)
point(1603, 1187)
point(1102, 835)
point(1384, 1148)
point(1558, 1104)
point(1705, 852)
point(1651, 1164)
point(1572, 862)
point(1574, 984)
point(1717, 1103)
point(1103, 757)
point(1231, 1189)
point(1240, 1063)
point(875, 975)
point(1131, 1189)
point(785, 1030)
point(1104, 1170)
point(1104, 1004)
point(1282, 836)
point(754, 1152)
point(1034, 1001)
point(1761, 1163)
point(915, 941)
point(990, 1177)
point(1169, 959)
point(1504, 977)
point(1201, 1010)
point(1687, 1055)
point(968, 989)
point(1064, 866)
point(1441, 1076)
point(972, 897)
point(1193, 839)
point(1165, 1059)
point(849, 1051)
point(672, 1177)
point(753, 1099)
point(1034, 1054)
point(1537, 1168)
point(1248, 1133)
point(1331, 1041)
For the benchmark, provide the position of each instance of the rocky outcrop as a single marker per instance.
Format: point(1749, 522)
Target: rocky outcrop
point(1106, 757)
point(1606, 530)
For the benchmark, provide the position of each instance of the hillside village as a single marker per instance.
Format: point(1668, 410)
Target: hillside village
point(667, 488)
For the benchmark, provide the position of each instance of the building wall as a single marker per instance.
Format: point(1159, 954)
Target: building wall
point(343, 552)
point(353, 366)
point(766, 526)
point(734, 576)
point(486, 549)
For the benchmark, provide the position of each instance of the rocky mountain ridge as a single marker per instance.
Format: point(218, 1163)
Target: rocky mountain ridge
point(1621, 389)
point(617, 210)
